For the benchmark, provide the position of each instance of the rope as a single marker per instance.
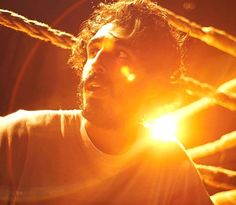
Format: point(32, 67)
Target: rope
point(217, 177)
point(195, 107)
point(194, 87)
point(36, 29)
point(210, 35)
point(224, 198)
point(225, 142)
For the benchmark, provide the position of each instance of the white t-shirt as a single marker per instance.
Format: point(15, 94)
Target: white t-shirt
point(47, 157)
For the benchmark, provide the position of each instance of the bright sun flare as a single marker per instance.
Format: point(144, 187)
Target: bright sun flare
point(163, 128)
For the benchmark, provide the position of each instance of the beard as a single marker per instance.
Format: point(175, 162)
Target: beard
point(97, 111)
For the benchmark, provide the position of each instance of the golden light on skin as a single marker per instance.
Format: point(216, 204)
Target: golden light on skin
point(108, 45)
point(164, 128)
point(101, 44)
point(125, 70)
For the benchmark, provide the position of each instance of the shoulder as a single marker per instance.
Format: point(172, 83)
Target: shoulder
point(24, 122)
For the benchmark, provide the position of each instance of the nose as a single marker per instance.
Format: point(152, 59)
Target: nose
point(93, 66)
point(99, 61)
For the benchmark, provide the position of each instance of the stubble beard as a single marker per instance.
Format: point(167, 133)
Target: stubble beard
point(104, 114)
point(98, 112)
point(95, 112)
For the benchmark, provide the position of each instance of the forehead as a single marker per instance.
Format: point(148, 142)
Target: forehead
point(104, 31)
point(154, 51)
point(111, 33)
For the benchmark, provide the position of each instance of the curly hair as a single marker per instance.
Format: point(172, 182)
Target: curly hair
point(160, 37)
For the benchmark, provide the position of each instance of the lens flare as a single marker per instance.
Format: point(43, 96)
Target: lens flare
point(125, 70)
point(163, 128)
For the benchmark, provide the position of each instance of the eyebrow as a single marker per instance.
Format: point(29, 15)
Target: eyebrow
point(119, 41)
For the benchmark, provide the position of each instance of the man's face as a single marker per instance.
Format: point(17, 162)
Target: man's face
point(117, 90)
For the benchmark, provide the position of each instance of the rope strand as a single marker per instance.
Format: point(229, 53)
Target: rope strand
point(217, 177)
point(195, 87)
point(36, 29)
point(225, 142)
point(210, 35)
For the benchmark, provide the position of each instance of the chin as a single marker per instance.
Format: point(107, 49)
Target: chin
point(100, 116)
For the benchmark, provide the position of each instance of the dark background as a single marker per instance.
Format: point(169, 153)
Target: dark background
point(36, 75)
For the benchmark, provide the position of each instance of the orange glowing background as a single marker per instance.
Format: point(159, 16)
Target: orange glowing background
point(36, 75)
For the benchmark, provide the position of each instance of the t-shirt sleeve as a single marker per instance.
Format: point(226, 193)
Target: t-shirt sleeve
point(37, 150)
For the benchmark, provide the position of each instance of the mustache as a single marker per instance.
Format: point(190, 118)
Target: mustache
point(98, 78)
point(101, 79)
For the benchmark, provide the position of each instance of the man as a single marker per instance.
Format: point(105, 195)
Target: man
point(102, 154)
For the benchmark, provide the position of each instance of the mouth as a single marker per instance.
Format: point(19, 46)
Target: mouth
point(97, 87)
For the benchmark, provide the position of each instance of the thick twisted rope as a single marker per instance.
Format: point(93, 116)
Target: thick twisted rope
point(225, 142)
point(224, 198)
point(213, 176)
point(205, 102)
point(212, 36)
point(36, 29)
point(195, 87)
point(217, 177)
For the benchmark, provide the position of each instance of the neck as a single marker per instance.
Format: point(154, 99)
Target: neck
point(112, 141)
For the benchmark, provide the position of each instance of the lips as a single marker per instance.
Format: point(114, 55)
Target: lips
point(98, 86)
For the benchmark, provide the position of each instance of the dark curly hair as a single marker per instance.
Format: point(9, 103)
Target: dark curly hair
point(150, 25)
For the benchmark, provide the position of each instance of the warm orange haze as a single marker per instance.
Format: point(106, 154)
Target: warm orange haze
point(131, 103)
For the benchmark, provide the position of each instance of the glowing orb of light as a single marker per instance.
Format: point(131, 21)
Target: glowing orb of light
point(163, 128)
point(125, 70)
